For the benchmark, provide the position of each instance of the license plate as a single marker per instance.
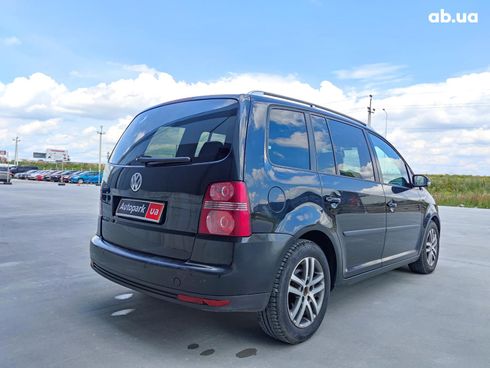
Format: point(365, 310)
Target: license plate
point(141, 210)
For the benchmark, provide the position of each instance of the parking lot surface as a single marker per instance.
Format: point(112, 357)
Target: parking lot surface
point(56, 312)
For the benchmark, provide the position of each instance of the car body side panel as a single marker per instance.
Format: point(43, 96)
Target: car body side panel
point(283, 200)
point(403, 223)
point(360, 221)
point(278, 195)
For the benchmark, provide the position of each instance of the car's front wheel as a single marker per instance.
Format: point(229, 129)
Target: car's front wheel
point(299, 296)
point(429, 254)
point(80, 181)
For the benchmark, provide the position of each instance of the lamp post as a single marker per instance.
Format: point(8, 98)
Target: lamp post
point(386, 123)
point(370, 110)
point(100, 132)
point(16, 157)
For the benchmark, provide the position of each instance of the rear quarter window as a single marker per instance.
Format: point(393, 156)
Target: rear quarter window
point(288, 139)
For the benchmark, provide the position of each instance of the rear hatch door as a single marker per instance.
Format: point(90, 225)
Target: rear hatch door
point(153, 189)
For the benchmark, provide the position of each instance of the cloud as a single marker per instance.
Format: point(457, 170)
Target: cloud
point(376, 71)
point(37, 127)
point(441, 127)
point(10, 41)
point(32, 95)
point(297, 140)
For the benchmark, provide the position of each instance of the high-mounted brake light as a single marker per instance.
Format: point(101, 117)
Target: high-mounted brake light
point(225, 210)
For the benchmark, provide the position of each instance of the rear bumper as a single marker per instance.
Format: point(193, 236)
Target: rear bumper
point(246, 283)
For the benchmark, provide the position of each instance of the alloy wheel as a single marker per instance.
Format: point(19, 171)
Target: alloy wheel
point(306, 292)
point(431, 247)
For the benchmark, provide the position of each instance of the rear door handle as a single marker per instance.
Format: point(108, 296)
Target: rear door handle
point(334, 201)
point(392, 205)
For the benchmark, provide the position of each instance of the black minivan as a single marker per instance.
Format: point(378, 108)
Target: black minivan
point(258, 202)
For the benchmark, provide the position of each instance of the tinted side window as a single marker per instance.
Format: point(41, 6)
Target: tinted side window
point(324, 150)
point(351, 151)
point(393, 169)
point(288, 140)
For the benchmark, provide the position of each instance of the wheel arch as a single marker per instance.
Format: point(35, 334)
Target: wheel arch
point(431, 214)
point(437, 221)
point(329, 248)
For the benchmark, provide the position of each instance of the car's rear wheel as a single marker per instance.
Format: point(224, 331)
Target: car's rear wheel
point(299, 296)
point(429, 254)
point(80, 181)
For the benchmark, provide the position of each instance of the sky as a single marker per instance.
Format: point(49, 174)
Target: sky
point(68, 67)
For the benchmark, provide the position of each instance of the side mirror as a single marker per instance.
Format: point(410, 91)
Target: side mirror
point(420, 181)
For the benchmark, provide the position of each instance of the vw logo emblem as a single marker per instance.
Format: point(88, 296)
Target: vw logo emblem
point(136, 181)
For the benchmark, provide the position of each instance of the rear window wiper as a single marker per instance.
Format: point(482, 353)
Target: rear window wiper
point(156, 161)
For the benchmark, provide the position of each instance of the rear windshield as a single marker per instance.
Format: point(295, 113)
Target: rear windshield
point(201, 130)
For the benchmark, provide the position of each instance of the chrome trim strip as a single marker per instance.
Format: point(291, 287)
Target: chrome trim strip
point(382, 260)
point(401, 227)
point(227, 206)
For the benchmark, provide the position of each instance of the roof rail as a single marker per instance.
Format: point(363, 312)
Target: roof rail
point(263, 93)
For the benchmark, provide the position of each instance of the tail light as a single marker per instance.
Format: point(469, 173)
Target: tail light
point(225, 210)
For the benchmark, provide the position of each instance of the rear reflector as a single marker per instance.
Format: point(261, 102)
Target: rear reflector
point(225, 210)
point(202, 301)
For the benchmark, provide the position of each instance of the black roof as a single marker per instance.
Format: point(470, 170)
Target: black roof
point(273, 98)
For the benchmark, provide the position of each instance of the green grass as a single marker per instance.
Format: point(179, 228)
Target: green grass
point(457, 190)
point(42, 165)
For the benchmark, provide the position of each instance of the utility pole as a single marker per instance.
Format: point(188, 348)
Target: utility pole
point(386, 122)
point(370, 110)
point(100, 133)
point(61, 182)
point(16, 157)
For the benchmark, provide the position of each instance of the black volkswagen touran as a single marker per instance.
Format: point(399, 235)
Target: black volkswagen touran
point(259, 203)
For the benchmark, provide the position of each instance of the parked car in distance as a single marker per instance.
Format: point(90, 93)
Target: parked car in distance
point(5, 174)
point(38, 175)
point(12, 169)
point(87, 177)
point(50, 174)
point(74, 178)
point(23, 174)
point(22, 169)
point(57, 176)
point(259, 203)
point(46, 174)
point(32, 175)
point(67, 177)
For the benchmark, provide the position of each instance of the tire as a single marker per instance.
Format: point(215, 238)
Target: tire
point(80, 181)
point(429, 254)
point(275, 320)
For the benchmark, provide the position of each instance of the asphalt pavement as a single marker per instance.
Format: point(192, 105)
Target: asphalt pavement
point(56, 312)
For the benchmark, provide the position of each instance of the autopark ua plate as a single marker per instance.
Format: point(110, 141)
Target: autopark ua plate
point(141, 210)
